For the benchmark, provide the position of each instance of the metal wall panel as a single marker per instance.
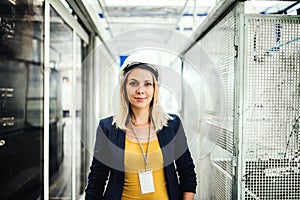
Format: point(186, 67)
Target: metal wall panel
point(271, 145)
point(219, 45)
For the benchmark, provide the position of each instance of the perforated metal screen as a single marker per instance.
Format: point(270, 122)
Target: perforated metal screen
point(219, 45)
point(271, 144)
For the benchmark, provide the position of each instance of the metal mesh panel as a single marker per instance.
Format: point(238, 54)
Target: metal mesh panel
point(221, 186)
point(272, 108)
point(219, 44)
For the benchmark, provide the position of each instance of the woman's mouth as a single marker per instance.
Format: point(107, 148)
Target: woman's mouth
point(139, 99)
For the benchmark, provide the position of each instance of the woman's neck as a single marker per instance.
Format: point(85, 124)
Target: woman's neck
point(140, 117)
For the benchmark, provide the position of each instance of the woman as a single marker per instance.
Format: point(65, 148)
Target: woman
point(136, 149)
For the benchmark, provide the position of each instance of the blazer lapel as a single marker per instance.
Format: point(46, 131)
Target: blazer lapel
point(166, 142)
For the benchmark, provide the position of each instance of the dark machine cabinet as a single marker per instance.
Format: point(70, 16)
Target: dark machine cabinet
point(21, 127)
point(19, 142)
point(21, 104)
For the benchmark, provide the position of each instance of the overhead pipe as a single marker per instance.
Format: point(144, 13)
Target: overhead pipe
point(284, 11)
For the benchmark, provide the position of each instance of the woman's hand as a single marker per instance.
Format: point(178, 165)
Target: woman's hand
point(188, 196)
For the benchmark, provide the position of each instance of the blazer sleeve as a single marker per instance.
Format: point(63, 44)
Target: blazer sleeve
point(184, 162)
point(99, 172)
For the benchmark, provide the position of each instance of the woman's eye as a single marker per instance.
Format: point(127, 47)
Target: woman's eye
point(148, 84)
point(133, 83)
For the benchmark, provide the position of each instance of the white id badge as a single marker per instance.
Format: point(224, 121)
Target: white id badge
point(146, 181)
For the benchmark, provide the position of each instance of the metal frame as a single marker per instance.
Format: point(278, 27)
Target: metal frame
point(46, 97)
point(73, 119)
point(239, 105)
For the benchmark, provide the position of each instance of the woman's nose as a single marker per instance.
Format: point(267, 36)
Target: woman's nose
point(140, 90)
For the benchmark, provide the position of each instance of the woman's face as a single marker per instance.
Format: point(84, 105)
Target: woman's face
point(140, 88)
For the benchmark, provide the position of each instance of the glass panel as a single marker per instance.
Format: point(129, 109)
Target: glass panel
point(63, 101)
point(21, 99)
point(61, 45)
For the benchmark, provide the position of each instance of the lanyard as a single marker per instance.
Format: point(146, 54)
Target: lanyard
point(145, 155)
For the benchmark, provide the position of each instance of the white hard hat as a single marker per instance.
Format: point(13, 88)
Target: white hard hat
point(144, 59)
point(144, 56)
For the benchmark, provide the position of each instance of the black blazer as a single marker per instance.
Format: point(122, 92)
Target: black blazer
point(108, 162)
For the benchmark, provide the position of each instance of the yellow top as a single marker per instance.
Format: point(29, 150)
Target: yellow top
point(134, 162)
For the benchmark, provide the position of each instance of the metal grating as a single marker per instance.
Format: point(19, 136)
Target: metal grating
point(223, 184)
point(271, 145)
point(219, 44)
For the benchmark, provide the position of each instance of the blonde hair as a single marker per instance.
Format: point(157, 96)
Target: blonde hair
point(159, 117)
